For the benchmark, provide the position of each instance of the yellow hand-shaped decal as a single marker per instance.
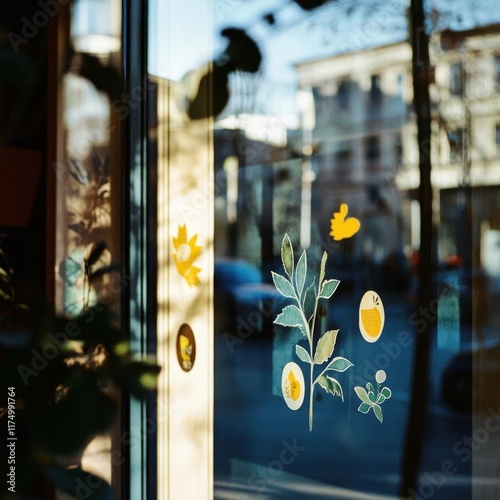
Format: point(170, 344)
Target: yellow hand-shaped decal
point(342, 227)
point(186, 252)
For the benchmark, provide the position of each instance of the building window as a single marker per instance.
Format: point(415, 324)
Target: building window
point(343, 157)
point(496, 73)
point(343, 94)
point(399, 87)
point(497, 140)
point(456, 79)
point(398, 150)
point(375, 91)
point(372, 148)
point(456, 140)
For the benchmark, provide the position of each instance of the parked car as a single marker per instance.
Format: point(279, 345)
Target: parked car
point(243, 300)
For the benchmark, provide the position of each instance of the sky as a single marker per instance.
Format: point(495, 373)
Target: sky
point(185, 34)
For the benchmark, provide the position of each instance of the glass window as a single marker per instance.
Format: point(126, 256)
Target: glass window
point(88, 251)
point(372, 148)
point(375, 92)
point(343, 93)
point(456, 140)
point(320, 222)
point(496, 73)
point(497, 140)
point(456, 79)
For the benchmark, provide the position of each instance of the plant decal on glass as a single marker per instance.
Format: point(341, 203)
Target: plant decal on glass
point(373, 399)
point(302, 314)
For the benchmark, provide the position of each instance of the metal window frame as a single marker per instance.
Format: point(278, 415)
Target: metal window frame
point(139, 477)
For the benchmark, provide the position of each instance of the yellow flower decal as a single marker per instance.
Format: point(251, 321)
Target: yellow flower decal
point(186, 252)
point(342, 227)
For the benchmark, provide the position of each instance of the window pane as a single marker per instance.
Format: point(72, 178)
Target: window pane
point(318, 265)
point(88, 187)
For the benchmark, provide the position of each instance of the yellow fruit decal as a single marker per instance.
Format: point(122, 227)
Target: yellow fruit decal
point(292, 385)
point(186, 252)
point(343, 227)
point(371, 316)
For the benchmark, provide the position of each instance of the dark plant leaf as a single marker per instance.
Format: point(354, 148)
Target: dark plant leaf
point(104, 270)
point(137, 377)
point(79, 228)
point(95, 326)
point(242, 53)
point(78, 173)
point(84, 412)
point(79, 483)
point(310, 4)
point(212, 94)
point(270, 19)
point(96, 252)
point(105, 78)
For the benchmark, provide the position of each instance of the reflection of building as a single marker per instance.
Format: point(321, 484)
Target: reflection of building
point(366, 137)
point(361, 106)
point(253, 161)
point(467, 139)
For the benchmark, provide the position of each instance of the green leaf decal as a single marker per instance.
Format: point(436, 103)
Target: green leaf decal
point(380, 399)
point(331, 386)
point(300, 274)
point(290, 316)
point(386, 392)
point(369, 387)
point(364, 408)
point(371, 396)
point(283, 285)
point(287, 255)
point(309, 301)
point(378, 412)
point(302, 354)
point(328, 288)
point(339, 364)
point(325, 346)
point(361, 392)
point(322, 269)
